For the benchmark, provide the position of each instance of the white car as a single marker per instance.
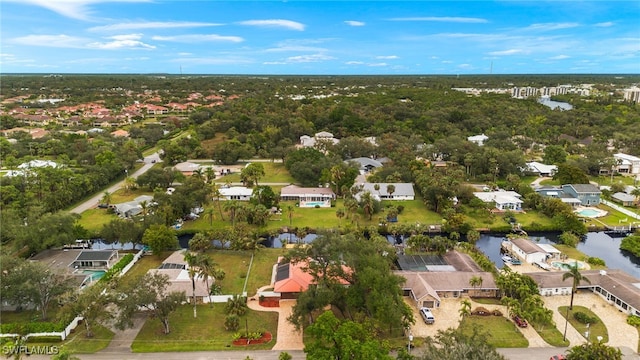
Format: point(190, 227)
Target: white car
point(427, 315)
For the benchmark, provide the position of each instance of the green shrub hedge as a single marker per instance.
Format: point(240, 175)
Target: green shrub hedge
point(117, 268)
point(584, 318)
point(32, 327)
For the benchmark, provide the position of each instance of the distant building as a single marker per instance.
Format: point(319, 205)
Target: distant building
point(478, 139)
point(240, 193)
point(627, 164)
point(308, 196)
point(541, 169)
point(95, 259)
point(401, 191)
point(365, 164)
point(503, 200)
point(588, 194)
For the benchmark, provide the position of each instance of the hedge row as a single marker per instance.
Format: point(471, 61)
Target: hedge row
point(117, 268)
point(32, 327)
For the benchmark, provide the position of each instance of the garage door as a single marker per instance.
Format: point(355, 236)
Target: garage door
point(428, 304)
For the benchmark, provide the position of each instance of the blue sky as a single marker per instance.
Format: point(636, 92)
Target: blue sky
point(316, 38)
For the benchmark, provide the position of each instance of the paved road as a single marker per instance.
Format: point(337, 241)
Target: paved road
point(149, 161)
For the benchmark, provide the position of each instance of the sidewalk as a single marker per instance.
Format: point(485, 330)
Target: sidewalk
point(288, 338)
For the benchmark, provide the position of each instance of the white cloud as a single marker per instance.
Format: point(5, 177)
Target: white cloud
point(605, 24)
point(309, 58)
point(444, 19)
point(151, 25)
point(213, 61)
point(387, 57)
point(196, 38)
point(129, 41)
point(354, 63)
point(378, 64)
point(185, 53)
point(559, 57)
point(75, 9)
point(549, 26)
point(295, 48)
point(288, 24)
point(354, 23)
point(57, 41)
point(506, 52)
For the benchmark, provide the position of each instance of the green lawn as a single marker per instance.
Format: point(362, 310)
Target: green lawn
point(94, 219)
point(550, 334)
point(501, 332)
point(204, 333)
point(595, 330)
point(236, 263)
point(146, 263)
point(274, 173)
point(78, 343)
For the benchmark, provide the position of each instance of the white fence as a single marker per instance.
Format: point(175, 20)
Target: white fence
point(621, 209)
point(128, 267)
point(62, 334)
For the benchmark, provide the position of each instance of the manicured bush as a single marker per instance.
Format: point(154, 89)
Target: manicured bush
point(595, 261)
point(232, 322)
point(634, 320)
point(584, 318)
point(32, 327)
point(117, 268)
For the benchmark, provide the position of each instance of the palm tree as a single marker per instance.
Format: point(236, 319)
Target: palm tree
point(465, 309)
point(210, 212)
point(237, 305)
point(193, 261)
point(232, 207)
point(390, 190)
point(106, 197)
point(577, 277)
point(367, 204)
point(475, 281)
point(129, 184)
point(215, 194)
point(636, 192)
point(340, 214)
point(206, 269)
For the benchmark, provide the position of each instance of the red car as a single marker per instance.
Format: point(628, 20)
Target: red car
point(520, 321)
point(558, 357)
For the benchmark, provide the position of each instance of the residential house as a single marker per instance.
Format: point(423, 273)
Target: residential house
point(527, 250)
point(322, 136)
point(290, 279)
point(478, 139)
point(132, 208)
point(588, 194)
point(558, 193)
point(616, 287)
point(240, 193)
point(503, 200)
point(428, 288)
point(541, 169)
point(623, 198)
point(177, 269)
point(95, 259)
point(37, 164)
point(380, 191)
point(627, 164)
point(120, 133)
point(187, 168)
point(308, 196)
point(365, 164)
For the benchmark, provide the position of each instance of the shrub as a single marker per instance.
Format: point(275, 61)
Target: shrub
point(497, 312)
point(117, 268)
point(584, 318)
point(32, 327)
point(481, 311)
point(286, 356)
point(595, 261)
point(634, 320)
point(232, 322)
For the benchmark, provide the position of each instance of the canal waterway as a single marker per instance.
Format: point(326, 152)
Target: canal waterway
point(596, 244)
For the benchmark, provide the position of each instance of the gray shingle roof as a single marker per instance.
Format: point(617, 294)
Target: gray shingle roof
point(95, 255)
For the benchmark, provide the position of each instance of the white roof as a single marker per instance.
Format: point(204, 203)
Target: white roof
point(535, 166)
point(626, 157)
point(549, 248)
point(37, 164)
point(480, 137)
point(186, 166)
point(401, 189)
point(499, 197)
point(236, 191)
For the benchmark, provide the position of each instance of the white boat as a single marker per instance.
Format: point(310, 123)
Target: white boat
point(506, 258)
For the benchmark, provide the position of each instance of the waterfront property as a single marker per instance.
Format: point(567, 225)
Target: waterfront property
point(618, 288)
point(502, 200)
point(289, 279)
point(623, 198)
point(381, 191)
point(588, 194)
point(95, 259)
point(176, 268)
point(527, 250)
point(429, 278)
point(308, 196)
point(132, 208)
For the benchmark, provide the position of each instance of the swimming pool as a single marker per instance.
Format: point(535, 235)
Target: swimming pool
point(94, 275)
point(568, 265)
point(314, 203)
point(591, 212)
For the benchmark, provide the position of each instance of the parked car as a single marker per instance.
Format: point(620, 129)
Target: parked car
point(520, 321)
point(427, 315)
point(558, 357)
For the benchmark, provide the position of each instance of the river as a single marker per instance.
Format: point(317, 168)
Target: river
point(596, 244)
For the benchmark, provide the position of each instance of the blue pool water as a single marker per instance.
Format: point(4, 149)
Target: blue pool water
point(94, 275)
point(589, 213)
point(314, 203)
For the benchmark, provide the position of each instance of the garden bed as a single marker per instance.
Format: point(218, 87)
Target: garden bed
point(264, 339)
